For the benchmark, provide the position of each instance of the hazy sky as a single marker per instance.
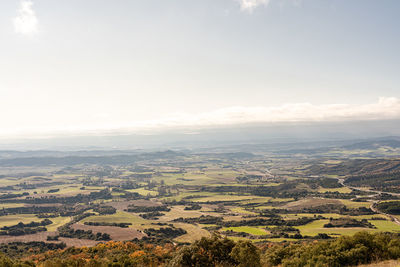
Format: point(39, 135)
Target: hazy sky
point(74, 65)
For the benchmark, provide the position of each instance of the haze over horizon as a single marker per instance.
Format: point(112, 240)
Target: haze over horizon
point(84, 67)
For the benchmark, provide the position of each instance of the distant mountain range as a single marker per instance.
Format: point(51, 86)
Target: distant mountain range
point(287, 133)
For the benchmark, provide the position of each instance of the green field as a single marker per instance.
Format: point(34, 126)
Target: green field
point(316, 227)
point(10, 220)
point(143, 192)
point(221, 198)
point(247, 229)
point(385, 226)
point(242, 210)
point(313, 228)
point(57, 222)
point(353, 204)
point(344, 190)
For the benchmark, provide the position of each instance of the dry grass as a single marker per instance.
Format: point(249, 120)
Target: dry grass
point(194, 232)
point(383, 264)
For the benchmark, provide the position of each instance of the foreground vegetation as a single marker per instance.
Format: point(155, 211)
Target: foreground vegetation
point(362, 248)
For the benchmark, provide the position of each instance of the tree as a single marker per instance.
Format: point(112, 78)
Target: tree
point(246, 254)
point(206, 252)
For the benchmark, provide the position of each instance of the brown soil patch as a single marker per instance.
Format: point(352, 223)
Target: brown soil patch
point(179, 211)
point(311, 203)
point(123, 205)
point(42, 236)
point(75, 242)
point(116, 233)
point(44, 205)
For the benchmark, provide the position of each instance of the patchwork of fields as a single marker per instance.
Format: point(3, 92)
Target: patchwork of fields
point(183, 197)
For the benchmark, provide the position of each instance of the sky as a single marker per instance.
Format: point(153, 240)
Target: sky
point(75, 67)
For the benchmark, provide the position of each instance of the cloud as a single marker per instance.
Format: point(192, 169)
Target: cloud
point(250, 5)
point(386, 108)
point(26, 22)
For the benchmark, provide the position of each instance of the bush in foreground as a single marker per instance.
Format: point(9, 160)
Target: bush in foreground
point(217, 251)
point(361, 248)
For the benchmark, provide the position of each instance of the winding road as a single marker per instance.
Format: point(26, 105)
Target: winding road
point(373, 202)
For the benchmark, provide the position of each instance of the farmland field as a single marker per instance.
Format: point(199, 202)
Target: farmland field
point(247, 229)
point(10, 220)
point(118, 217)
